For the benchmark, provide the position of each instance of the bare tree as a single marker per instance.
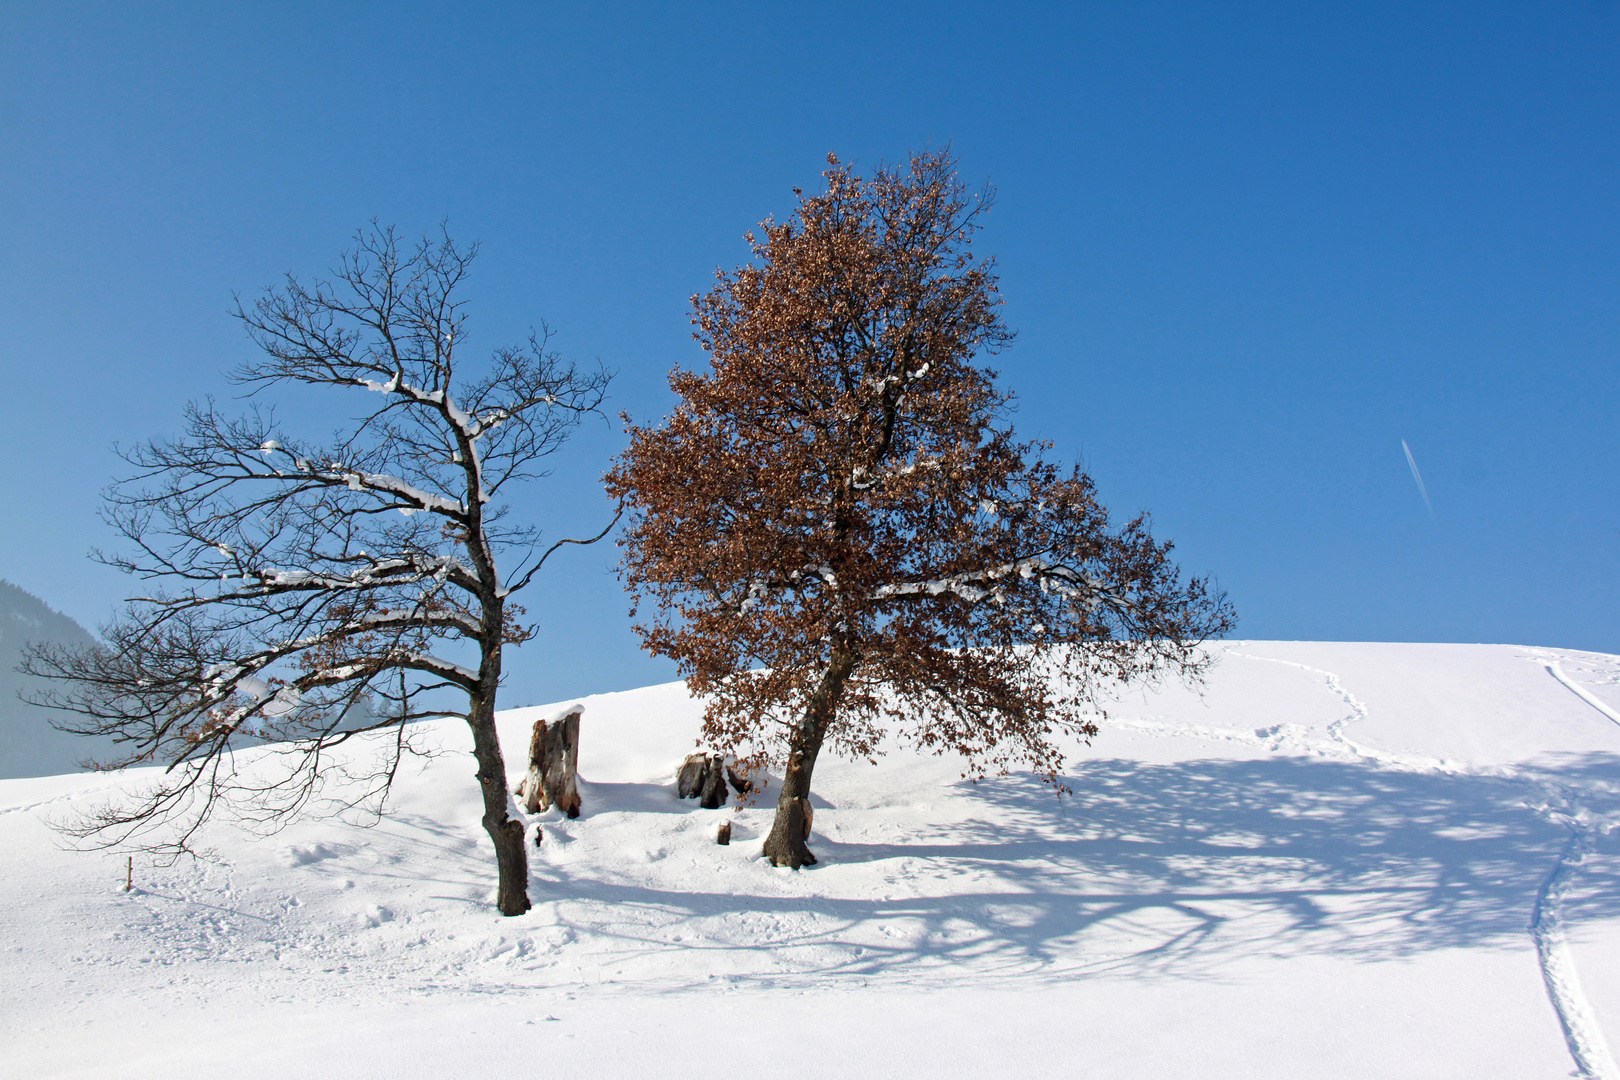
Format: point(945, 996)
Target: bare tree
point(307, 593)
point(841, 535)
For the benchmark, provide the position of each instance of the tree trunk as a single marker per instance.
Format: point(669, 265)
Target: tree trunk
point(512, 895)
point(786, 846)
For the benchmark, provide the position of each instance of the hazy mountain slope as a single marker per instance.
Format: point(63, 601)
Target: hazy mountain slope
point(29, 745)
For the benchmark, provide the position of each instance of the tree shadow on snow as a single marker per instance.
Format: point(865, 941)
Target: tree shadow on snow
point(1181, 867)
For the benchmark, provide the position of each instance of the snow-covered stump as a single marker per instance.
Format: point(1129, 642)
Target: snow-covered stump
point(704, 777)
point(689, 781)
point(552, 779)
point(713, 796)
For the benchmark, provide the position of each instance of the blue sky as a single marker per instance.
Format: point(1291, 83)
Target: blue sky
point(1248, 248)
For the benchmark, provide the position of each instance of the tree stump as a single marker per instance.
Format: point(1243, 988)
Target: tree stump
point(704, 777)
point(723, 837)
point(552, 779)
point(713, 795)
point(689, 781)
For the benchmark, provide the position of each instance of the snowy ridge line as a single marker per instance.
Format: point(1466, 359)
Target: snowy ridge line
point(1585, 695)
point(1582, 1035)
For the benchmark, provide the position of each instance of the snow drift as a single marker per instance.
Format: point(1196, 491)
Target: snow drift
point(1343, 859)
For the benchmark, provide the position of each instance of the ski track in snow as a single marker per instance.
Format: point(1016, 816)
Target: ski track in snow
point(1587, 1045)
point(1556, 671)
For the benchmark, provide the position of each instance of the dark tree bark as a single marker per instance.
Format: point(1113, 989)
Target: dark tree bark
point(787, 845)
point(511, 860)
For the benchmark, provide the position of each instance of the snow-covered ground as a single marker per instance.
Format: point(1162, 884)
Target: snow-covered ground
point(1351, 860)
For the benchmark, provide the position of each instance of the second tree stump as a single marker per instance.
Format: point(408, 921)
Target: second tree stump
point(704, 777)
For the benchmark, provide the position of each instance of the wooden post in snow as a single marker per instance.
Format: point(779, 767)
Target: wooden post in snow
point(552, 779)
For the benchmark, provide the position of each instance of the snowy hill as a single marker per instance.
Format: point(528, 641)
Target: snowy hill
point(1354, 860)
point(29, 745)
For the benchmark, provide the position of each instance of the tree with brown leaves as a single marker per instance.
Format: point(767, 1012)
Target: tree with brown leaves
point(840, 534)
point(305, 592)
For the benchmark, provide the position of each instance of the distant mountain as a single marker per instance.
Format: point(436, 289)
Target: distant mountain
point(29, 745)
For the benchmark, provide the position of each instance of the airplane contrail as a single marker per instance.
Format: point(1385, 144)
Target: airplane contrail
point(1412, 464)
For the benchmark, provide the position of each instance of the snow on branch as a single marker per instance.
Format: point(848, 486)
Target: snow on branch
point(863, 478)
point(975, 586)
point(336, 473)
point(469, 428)
point(443, 668)
point(763, 585)
point(269, 581)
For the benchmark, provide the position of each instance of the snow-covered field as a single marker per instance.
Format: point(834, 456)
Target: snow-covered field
point(1350, 860)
